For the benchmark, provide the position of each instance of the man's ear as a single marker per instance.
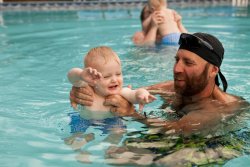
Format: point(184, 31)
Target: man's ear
point(214, 71)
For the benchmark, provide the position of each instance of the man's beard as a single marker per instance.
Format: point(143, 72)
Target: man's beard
point(193, 85)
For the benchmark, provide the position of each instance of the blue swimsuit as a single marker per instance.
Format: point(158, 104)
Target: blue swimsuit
point(79, 124)
point(171, 39)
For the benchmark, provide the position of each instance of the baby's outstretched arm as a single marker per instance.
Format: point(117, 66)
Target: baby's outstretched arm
point(78, 77)
point(139, 96)
point(143, 97)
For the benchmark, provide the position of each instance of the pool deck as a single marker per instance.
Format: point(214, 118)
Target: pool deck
point(103, 4)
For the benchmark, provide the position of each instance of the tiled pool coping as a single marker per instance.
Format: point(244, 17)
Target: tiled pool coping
point(101, 4)
point(68, 5)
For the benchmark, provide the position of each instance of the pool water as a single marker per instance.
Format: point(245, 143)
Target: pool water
point(38, 48)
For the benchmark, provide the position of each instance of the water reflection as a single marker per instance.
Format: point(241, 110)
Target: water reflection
point(153, 145)
point(91, 133)
point(231, 140)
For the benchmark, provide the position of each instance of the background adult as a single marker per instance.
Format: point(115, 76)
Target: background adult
point(153, 21)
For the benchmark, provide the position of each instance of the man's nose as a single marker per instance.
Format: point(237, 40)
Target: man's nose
point(178, 67)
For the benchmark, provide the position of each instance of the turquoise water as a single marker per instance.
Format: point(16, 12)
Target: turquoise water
point(38, 48)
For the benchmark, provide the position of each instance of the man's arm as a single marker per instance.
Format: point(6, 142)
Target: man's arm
point(119, 105)
point(192, 123)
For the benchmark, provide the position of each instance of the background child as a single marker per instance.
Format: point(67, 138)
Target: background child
point(104, 74)
point(171, 27)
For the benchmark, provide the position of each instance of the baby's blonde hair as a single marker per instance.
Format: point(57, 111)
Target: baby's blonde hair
point(93, 57)
point(157, 4)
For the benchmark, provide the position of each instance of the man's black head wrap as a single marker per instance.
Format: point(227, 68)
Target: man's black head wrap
point(207, 47)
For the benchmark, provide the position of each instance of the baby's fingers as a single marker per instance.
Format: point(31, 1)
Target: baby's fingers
point(98, 75)
point(92, 71)
point(152, 98)
point(141, 106)
point(143, 99)
point(89, 69)
point(95, 74)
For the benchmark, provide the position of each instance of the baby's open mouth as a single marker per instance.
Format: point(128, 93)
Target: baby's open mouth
point(113, 87)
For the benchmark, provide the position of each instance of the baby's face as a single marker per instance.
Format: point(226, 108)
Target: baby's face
point(112, 81)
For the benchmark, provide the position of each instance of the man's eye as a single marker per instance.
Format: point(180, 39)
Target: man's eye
point(189, 63)
point(118, 74)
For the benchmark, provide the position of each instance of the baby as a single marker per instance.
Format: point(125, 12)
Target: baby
point(171, 27)
point(103, 73)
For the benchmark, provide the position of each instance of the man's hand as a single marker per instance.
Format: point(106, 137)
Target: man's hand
point(83, 96)
point(119, 105)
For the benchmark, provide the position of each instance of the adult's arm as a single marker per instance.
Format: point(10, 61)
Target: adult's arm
point(204, 117)
point(119, 105)
point(195, 122)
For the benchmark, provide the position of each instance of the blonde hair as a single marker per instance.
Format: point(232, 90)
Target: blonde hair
point(95, 55)
point(157, 4)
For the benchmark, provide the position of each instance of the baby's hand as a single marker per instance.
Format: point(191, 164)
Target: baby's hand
point(90, 75)
point(157, 18)
point(177, 16)
point(144, 97)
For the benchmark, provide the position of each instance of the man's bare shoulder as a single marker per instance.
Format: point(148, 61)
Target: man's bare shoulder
point(207, 114)
point(224, 97)
point(233, 98)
